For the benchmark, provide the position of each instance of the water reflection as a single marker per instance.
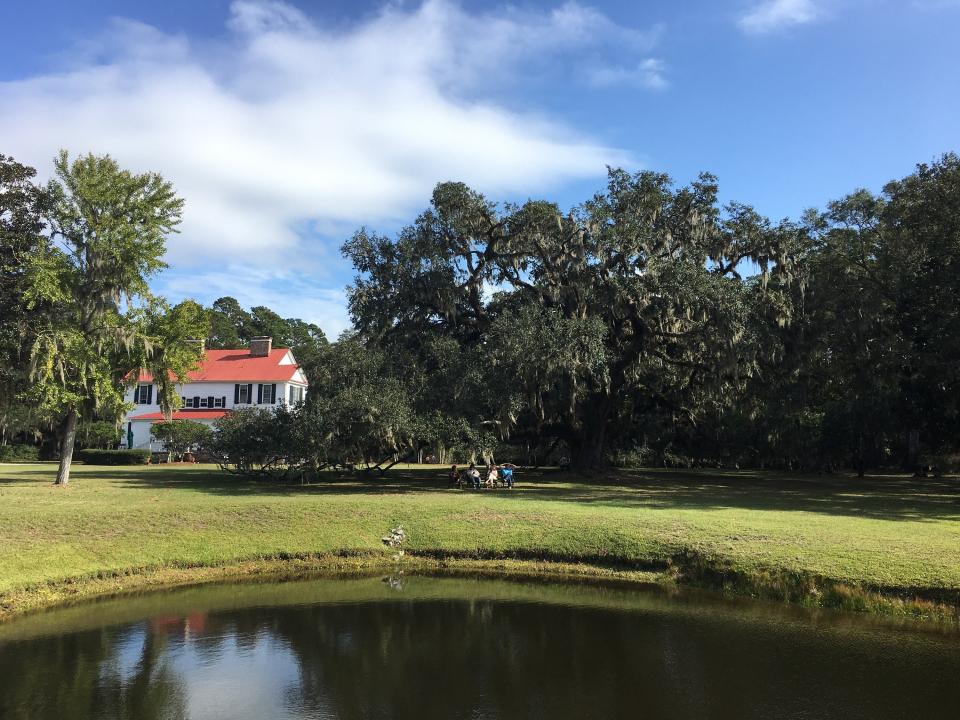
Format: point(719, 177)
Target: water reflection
point(457, 651)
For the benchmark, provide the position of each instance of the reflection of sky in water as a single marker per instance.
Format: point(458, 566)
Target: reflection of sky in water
point(248, 673)
point(128, 648)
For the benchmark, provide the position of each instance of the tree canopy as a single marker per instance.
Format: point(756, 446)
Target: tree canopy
point(631, 303)
point(90, 277)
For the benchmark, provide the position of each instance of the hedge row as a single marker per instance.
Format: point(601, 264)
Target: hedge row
point(19, 453)
point(114, 457)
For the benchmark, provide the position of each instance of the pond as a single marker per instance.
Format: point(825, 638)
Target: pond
point(449, 647)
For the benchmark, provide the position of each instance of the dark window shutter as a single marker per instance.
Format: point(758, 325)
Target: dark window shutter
point(196, 401)
point(273, 394)
point(250, 393)
point(210, 401)
point(259, 393)
point(236, 394)
point(149, 394)
point(224, 398)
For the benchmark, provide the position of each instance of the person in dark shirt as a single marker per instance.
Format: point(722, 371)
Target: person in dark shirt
point(454, 477)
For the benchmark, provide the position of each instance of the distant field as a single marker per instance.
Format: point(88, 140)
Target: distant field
point(892, 533)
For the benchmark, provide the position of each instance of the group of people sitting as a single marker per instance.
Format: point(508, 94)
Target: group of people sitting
point(492, 476)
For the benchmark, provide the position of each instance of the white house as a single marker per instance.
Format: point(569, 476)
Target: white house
point(226, 379)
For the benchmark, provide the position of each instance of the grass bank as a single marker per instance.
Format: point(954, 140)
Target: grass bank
point(883, 544)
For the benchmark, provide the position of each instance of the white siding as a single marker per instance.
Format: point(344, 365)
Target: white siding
point(142, 438)
point(203, 390)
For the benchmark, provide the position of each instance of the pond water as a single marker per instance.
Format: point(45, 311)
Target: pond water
point(443, 647)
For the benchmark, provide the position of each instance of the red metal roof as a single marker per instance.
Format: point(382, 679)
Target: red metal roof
point(183, 415)
point(239, 366)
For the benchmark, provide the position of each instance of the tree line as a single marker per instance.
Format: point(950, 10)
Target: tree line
point(652, 325)
point(648, 325)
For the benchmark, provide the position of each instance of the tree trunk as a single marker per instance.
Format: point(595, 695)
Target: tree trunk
point(588, 452)
point(861, 462)
point(913, 452)
point(66, 448)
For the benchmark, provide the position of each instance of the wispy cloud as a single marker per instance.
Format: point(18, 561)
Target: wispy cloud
point(771, 15)
point(288, 129)
point(649, 73)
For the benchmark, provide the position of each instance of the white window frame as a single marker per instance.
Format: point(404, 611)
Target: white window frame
point(296, 394)
point(267, 395)
point(244, 389)
point(140, 395)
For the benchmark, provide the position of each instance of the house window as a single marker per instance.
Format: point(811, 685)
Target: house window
point(244, 394)
point(267, 396)
point(219, 402)
point(203, 402)
point(188, 402)
point(143, 395)
point(296, 394)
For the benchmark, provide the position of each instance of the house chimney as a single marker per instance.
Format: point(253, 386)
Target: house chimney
point(260, 346)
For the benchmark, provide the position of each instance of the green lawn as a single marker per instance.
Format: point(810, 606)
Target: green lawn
point(894, 533)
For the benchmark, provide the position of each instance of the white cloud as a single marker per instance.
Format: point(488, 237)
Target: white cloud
point(288, 124)
point(648, 73)
point(771, 15)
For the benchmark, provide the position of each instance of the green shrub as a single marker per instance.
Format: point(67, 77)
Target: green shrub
point(114, 457)
point(255, 441)
point(638, 457)
point(19, 453)
point(99, 434)
point(181, 436)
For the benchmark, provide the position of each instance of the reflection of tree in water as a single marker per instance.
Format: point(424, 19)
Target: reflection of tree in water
point(436, 659)
point(90, 675)
point(39, 677)
point(482, 659)
point(152, 690)
point(492, 660)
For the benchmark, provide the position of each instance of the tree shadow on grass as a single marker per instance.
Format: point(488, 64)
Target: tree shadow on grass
point(892, 497)
point(212, 480)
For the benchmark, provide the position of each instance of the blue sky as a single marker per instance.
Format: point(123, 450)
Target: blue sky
point(288, 125)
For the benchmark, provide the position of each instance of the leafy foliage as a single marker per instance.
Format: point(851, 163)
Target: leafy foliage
point(181, 436)
point(114, 457)
point(19, 453)
point(23, 205)
point(630, 304)
point(254, 441)
point(99, 434)
point(232, 327)
point(107, 238)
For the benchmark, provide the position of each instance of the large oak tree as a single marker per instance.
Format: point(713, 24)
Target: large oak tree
point(632, 301)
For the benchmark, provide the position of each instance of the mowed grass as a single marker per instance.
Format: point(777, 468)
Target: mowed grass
point(894, 533)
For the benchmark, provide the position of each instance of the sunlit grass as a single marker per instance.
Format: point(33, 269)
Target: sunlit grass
point(894, 533)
